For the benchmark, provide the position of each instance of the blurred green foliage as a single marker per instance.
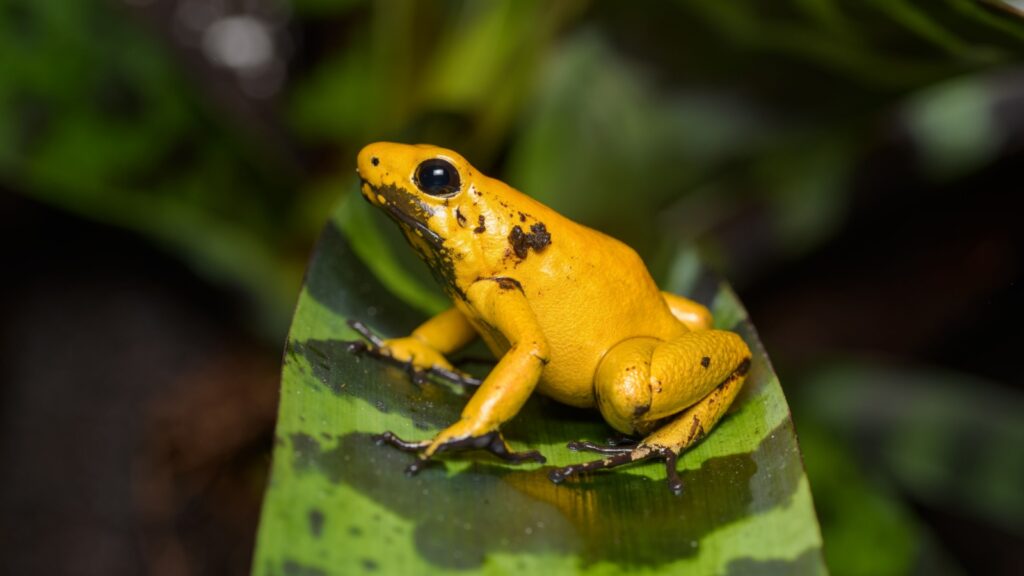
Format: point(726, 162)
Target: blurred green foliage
point(667, 123)
point(97, 118)
point(656, 125)
point(950, 439)
point(947, 440)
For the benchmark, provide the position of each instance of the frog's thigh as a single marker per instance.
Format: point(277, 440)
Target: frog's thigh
point(693, 423)
point(643, 381)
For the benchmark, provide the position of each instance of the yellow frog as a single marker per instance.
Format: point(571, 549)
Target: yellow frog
point(568, 311)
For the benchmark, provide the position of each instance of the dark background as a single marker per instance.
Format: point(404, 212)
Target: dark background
point(166, 165)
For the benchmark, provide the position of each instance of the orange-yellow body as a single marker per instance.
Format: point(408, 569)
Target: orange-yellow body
point(568, 311)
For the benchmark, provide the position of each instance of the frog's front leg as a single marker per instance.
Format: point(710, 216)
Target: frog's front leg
point(493, 442)
point(672, 392)
point(503, 306)
point(424, 350)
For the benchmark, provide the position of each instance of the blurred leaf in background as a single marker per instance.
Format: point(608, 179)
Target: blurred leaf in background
point(698, 141)
point(949, 440)
point(932, 438)
point(110, 130)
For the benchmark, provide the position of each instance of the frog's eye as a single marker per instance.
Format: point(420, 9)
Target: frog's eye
point(437, 177)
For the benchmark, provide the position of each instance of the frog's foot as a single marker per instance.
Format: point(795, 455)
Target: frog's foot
point(372, 345)
point(492, 442)
point(620, 456)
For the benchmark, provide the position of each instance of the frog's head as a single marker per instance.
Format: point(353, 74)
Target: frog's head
point(431, 192)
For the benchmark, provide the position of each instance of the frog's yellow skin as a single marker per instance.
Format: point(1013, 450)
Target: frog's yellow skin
point(570, 312)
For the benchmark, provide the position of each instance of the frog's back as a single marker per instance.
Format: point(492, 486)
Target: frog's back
point(589, 292)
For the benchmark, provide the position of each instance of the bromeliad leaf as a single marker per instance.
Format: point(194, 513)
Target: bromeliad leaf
point(340, 504)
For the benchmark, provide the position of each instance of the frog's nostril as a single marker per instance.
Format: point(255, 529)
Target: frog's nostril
point(375, 161)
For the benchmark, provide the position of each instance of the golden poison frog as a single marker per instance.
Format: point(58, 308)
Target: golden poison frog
point(569, 312)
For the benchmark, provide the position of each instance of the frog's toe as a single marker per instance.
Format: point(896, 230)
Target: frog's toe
point(454, 376)
point(372, 345)
point(391, 439)
point(502, 451)
point(620, 456)
point(367, 334)
point(494, 443)
point(559, 475)
point(617, 447)
point(415, 468)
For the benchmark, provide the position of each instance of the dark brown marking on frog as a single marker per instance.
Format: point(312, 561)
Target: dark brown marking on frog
point(538, 238)
point(744, 367)
point(696, 430)
point(411, 214)
point(460, 218)
point(506, 283)
point(705, 361)
point(480, 229)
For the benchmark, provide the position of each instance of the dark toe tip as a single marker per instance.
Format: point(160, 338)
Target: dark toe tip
point(539, 458)
point(558, 475)
point(676, 487)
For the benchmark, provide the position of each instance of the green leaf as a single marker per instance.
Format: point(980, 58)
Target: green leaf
point(339, 504)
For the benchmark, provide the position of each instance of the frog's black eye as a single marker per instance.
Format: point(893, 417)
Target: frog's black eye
point(437, 177)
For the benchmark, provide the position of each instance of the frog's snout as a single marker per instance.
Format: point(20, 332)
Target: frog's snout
point(368, 170)
point(368, 163)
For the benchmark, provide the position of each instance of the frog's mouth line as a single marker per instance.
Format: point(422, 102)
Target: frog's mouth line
point(402, 217)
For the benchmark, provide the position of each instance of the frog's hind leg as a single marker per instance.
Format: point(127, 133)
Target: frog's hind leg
point(671, 392)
